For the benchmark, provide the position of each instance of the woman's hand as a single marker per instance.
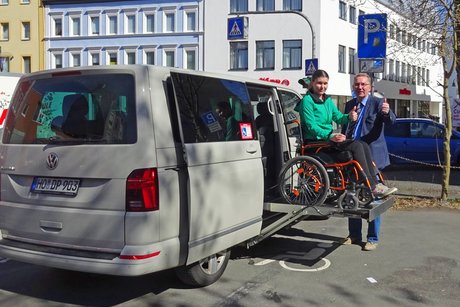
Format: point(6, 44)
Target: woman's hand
point(353, 116)
point(338, 137)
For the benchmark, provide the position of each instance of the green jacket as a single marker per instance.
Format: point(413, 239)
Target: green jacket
point(316, 117)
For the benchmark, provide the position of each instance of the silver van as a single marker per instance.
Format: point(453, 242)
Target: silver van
point(127, 170)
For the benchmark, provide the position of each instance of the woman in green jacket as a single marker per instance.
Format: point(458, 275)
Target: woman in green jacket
point(318, 111)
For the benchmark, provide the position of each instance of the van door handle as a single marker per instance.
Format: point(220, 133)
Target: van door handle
point(251, 148)
point(49, 226)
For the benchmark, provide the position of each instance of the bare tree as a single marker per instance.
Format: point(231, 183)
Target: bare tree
point(436, 22)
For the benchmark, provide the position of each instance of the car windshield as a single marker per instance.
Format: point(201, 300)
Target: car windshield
point(81, 109)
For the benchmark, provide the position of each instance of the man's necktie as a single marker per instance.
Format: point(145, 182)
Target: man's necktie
point(357, 131)
point(354, 128)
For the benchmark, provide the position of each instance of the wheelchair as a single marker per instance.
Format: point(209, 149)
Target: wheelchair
point(322, 174)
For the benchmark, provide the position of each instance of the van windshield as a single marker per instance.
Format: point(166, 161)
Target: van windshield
point(89, 109)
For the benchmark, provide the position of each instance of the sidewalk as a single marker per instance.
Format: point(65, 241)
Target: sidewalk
point(421, 181)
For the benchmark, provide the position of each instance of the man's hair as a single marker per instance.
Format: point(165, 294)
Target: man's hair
point(362, 74)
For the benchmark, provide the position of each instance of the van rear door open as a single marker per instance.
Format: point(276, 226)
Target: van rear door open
point(225, 173)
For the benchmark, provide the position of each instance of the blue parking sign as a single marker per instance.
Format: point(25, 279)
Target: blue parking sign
point(372, 36)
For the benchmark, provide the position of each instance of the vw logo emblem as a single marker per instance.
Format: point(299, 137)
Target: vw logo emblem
point(52, 160)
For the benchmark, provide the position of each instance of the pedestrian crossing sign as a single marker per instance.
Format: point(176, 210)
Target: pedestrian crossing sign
point(311, 65)
point(237, 28)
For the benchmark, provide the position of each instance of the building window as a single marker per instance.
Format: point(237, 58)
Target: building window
point(150, 23)
point(169, 59)
point(75, 29)
point(398, 34)
point(265, 5)
point(3, 2)
point(238, 6)
point(419, 76)
point(76, 60)
point(190, 57)
point(94, 25)
point(414, 74)
point(26, 64)
point(292, 54)
point(292, 5)
point(391, 69)
point(25, 2)
point(112, 57)
point(57, 23)
point(398, 71)
point(130, 26)
point(352, 15)
point(5, 31)
point(95, 58)
point(130, 57)
point(190, 21)
point(403, 73)
point(392, 32)
point(351, 60)
point(150, 57)
point(57, 59)
point(113, 24)
point(342, 10)
point(265, 55)
point(409, 74)
point(427, 78)
point(170, 22)
point(4, 64)
point(238, 55)
point(26, 30)
point(341, 58)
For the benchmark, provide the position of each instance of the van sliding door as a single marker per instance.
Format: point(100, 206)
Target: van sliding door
point(223, 156)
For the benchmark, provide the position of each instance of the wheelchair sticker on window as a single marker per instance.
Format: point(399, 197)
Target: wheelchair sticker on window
point(246, 131)
point(211, 121)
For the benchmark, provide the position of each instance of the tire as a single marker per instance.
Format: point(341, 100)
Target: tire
point(205, 271)
point(348, 201)
point(304, 181)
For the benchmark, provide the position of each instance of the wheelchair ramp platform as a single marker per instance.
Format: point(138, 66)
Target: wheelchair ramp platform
point(278, 215)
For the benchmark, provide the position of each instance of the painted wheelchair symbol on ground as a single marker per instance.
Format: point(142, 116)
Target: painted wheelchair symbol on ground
point(284, 260)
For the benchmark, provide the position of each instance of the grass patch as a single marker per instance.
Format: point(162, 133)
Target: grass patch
point(409, 203)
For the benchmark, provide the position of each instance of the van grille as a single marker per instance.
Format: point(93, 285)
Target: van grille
point(58, 250)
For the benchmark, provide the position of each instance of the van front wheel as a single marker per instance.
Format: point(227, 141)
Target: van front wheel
point(205, 271)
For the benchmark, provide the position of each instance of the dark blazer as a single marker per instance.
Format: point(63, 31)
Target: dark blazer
point(372, 128)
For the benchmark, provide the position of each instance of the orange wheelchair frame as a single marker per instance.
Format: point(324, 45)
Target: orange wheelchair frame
point(322, 173)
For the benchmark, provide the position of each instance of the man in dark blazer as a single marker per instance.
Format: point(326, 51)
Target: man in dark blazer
point(376, 113)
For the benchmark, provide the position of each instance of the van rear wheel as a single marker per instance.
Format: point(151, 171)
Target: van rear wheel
point(205, 271)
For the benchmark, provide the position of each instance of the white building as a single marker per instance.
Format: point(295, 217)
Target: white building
point(105, 32)
point(280, 35)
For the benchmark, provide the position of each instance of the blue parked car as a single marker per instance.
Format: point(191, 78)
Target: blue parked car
point(420, 139)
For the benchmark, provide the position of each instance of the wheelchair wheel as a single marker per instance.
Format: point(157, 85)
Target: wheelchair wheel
point(304, 181)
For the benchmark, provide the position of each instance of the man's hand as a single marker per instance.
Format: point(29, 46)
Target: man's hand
point(353, 116)
point(385, 107)
point(338, 137)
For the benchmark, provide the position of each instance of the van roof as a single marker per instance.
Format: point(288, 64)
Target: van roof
point(10, 74)
point(164, 70)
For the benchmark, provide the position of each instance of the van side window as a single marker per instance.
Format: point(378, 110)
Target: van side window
point(213, 109)
point(289, 101)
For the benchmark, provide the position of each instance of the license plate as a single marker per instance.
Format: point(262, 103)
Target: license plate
point(50, 185)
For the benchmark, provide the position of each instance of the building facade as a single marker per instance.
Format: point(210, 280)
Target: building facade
point(159, 32)
point(276, 39)
point(21, 36)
